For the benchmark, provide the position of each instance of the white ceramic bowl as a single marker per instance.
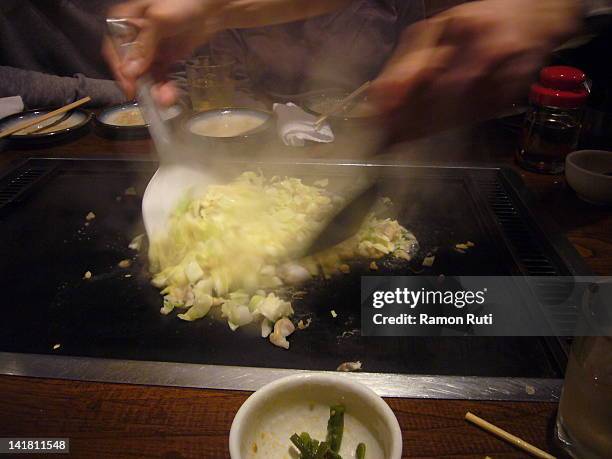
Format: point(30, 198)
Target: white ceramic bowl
point(315, 388)
point(589, 173)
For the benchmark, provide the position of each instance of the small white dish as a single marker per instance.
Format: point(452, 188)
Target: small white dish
point(125, 121)
point(589, 173)
point(300, 403)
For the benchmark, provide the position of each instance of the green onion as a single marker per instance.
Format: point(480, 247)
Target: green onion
point(299, 444)
point(361, 449)
point(310, 448)
point(322, 451)
point(335, 427)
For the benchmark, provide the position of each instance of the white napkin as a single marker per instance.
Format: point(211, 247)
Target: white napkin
point(295, 126)
point(10, 106)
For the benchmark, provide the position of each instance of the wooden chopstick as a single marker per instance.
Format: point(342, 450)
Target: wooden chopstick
point(62, 118)
point(39, 119)
point(340, 105)
point(516, 441)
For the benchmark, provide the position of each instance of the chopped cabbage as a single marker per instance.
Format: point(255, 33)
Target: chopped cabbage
point(238, 244)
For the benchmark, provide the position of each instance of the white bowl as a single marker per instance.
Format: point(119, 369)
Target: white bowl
point(589, 173)
point(268, 404)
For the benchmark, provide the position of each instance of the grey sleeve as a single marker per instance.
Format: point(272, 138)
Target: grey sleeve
point(43, 90)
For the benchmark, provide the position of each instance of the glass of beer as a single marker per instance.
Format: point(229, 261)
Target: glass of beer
point(584, 420)
point(210, 82)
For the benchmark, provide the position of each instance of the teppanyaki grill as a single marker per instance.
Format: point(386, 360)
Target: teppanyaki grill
point(48, 248)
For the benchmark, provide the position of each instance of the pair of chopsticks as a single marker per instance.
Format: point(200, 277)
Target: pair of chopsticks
point(39, 119)
point(343, 103)
point(514, 440)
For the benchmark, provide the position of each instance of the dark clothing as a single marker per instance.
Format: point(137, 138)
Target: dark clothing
point(50, 49)
point(342, 49)
point(50, 52)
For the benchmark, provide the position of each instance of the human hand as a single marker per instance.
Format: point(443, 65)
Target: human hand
point(473, 60)
point(173, 29)
point(169, 30)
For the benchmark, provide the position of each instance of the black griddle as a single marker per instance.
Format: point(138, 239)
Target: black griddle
point(47, 248)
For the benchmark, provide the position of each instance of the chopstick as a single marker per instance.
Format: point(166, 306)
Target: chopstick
point(340, 105)
point(55, 123)
point(26, 124)
point(516, 441)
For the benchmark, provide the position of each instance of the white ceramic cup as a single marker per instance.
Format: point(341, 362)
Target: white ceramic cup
point(589, 173)
point(323, 388)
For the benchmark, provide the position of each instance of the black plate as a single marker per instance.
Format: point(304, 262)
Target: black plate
point(47, 138)
point(47, 248)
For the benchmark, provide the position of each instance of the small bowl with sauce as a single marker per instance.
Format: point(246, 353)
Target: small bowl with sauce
point(60, 128)
point(356, 113)
point(125, 121)
point(304, 402)
point(229, 125)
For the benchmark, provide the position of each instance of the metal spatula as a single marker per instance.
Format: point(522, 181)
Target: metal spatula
point(347, 221)
point(181, 168)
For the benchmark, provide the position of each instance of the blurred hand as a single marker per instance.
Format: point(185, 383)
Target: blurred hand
point(173, 29)
point(474, 60)
point(169, 30)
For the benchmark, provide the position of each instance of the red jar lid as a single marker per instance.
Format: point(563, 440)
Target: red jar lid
point(560, 86)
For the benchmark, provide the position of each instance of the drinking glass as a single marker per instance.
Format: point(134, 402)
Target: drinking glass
point(584, 419)
point(210, 82)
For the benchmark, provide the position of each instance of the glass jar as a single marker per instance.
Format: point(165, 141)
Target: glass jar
point(552, 124)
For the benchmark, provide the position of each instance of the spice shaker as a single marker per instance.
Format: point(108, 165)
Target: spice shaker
point(552, 124)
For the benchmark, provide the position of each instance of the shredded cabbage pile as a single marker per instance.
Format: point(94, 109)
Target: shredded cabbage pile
point(237, 245)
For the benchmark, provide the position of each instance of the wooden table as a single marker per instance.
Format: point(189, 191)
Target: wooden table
point(120, 420)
